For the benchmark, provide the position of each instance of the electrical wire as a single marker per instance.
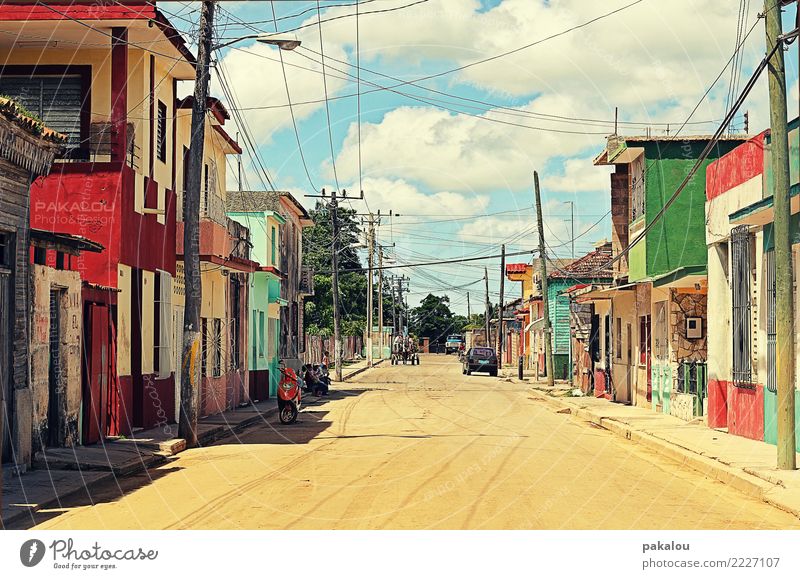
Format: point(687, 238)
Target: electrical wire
point(327, 102)
point(291, 110)
point(698, 163)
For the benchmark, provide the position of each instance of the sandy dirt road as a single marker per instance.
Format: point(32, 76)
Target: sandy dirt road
point(416, 448)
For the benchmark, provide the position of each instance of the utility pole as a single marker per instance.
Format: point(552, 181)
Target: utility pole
point(784, 347)
point(469, 310)
point(548, 342)
point(393, 286)
point(380, 302)
point(572, 226)
point(370, 289)
point(192, 334)
point(502, 308)
point(486, 315)
point(239, 164)
point(337, 315)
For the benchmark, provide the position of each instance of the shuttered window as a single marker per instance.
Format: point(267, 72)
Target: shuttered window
point(161, 132)
point(56, 100)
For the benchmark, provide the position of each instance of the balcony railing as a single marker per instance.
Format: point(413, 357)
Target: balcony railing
point(97, 147)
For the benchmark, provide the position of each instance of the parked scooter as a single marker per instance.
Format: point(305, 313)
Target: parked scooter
point(289, 395)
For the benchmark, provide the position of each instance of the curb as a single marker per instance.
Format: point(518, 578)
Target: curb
point(751, 484)
point(358, 371)
point(223, 430)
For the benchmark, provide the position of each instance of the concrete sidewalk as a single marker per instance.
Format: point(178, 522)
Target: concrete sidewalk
point(63, 473)
point(747, 465)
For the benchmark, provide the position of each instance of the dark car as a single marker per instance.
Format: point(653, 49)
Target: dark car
point(480, 360)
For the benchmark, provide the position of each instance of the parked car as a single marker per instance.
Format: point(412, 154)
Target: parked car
point(480, 360)
point(453, 343)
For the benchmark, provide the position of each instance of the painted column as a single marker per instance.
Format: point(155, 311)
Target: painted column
point(119, 94)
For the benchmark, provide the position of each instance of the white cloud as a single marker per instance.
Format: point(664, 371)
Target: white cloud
point(580, 176)
point(255, 75)
point(444, 151)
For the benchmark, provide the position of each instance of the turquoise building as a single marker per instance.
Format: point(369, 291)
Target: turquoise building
point(265, 291)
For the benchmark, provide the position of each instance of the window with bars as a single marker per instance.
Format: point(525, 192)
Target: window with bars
point(216, 347)
point(162, 325)
point(161, 132)
point(618, 341)
point(204, 347)
point(644, 340)
point(261, 333)
point(741, 306)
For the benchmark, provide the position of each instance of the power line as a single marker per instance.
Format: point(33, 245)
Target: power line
point(706, 150)
point(291, 110)
point(381, 11)
point(327, 102)
point(457, 260)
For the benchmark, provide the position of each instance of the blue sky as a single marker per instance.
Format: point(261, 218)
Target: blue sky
point(652, 60)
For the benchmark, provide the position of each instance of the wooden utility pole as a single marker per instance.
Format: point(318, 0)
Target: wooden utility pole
point(380, 303)
point(502, 308)
point(192, 333)
point(548, 341)
point(370, 289)
point(469, 310)
point(486, 315)
point(784, 303)
point(337, 315)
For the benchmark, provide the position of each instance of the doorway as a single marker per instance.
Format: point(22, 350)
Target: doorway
point(6, 409)
point(55, 390)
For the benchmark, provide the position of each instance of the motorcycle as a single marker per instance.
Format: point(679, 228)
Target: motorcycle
point(289, 395)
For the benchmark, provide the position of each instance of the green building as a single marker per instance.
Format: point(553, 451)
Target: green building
point(265, 294)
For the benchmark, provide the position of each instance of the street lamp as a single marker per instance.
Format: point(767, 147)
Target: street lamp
point(281, 40)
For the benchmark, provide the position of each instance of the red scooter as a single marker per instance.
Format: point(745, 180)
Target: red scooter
point(289, 395)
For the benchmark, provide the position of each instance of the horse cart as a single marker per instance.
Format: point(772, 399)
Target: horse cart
point(405, 350)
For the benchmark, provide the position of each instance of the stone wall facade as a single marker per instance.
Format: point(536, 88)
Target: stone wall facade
point(687, 305)
point(63, 378)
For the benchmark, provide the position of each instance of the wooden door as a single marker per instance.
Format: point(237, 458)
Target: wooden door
point(97, 365)
point(6, 409)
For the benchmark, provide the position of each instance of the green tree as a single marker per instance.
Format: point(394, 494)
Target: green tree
point(434, 319)
point(317, 242)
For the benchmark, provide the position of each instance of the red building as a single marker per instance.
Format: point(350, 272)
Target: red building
point(109, 84)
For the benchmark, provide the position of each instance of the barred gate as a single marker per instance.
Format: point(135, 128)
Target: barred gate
point(769, 263)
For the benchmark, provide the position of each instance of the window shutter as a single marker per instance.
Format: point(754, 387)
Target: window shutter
point(165, 351)
point(55, 99)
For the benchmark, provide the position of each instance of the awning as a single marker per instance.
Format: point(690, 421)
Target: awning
point(65, 242)
point(606, 293)
point(535, 325)
point(693, 276)
point(621, 156)
point(762, 212)
point(576, 289)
